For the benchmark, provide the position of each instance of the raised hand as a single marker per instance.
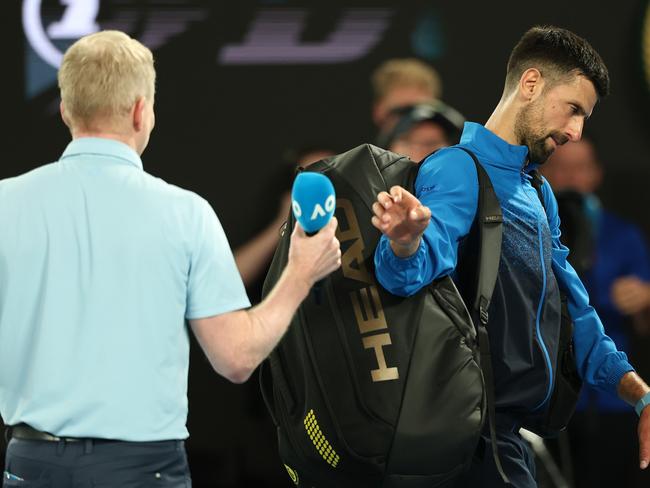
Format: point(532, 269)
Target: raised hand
point(402, 218)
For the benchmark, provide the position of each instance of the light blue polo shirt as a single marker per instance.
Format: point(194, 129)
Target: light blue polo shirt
point(100, 265)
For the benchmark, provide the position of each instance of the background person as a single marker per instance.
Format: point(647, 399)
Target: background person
point(402, 82)
point(420, 129)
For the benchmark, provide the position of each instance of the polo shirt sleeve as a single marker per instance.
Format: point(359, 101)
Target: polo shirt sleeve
point(447, 183)
point(599, 362)
point(214, 285)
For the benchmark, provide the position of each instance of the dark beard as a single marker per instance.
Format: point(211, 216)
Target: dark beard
point(535, 138)
point(539, 150)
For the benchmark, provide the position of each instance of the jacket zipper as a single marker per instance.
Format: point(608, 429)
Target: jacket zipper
point(538, 318)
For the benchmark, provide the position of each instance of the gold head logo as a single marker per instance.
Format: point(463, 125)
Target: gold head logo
point(368, 309)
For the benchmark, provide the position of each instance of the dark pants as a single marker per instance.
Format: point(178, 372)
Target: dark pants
point(96, 464)
point(516, 458)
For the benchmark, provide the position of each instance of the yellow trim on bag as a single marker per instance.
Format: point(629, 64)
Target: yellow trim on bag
point(293, 475)
point(321, 444)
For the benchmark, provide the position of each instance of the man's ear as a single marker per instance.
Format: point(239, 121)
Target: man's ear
point(64, 116)
point(137, 114)
point(531, 84)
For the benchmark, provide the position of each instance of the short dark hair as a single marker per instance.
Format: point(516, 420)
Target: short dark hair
point(557, 53)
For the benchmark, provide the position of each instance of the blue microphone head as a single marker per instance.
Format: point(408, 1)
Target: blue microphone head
point(313, 200)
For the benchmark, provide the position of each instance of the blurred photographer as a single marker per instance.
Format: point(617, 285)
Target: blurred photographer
point(418, 130)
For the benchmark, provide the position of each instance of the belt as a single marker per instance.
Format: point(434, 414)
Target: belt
point(25, 432)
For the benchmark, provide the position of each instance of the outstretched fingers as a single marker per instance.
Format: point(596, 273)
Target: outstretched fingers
point(385, 200)
point(396, 193)
point(420, 214)
point(378, 224)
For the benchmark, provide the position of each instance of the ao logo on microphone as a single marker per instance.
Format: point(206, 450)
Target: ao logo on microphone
point(313, 200)
point(319, 211)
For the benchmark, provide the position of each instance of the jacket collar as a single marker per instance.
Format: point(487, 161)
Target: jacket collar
point(495, 150)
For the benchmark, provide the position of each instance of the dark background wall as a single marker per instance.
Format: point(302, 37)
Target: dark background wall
point(222, 129)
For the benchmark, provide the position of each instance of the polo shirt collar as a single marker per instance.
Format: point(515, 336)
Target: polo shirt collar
point(99, 146)
point(494, 149)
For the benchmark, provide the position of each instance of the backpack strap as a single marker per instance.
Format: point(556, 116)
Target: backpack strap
point(490, 231)
point(489, 219)
point(537, 183)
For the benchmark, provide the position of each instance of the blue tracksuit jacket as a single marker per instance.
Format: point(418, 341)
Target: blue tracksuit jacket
point(525, 309)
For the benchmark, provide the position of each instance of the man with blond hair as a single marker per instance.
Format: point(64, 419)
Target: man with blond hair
point(100, 266)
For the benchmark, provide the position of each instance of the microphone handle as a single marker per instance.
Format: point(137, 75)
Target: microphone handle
point(317, 290)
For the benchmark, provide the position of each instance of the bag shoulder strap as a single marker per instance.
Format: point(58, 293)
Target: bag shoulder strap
point(489, 218)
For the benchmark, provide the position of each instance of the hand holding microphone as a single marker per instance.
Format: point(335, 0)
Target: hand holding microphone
point(315, 250)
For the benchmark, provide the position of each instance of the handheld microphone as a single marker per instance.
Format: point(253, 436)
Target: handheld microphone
point(313, 202)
